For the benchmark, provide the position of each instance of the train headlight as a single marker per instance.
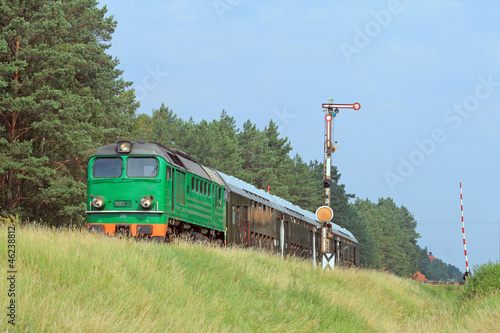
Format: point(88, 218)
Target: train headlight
point(98, 202)
point(124, 147)
point(147, 201)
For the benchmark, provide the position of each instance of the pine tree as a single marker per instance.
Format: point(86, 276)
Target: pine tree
point(282, 165)
point(395, 239)
point(424, 263)
point(61, 96)
point(259, 162)
point(305, 191)
point(226, 153)
point(164, 127)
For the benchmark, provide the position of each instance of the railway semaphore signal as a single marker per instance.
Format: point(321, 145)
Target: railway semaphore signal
point(331, 110)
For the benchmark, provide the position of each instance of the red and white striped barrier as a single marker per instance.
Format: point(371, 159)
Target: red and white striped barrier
point(463, 228)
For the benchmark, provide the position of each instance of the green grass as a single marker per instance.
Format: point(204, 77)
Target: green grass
point(71, 281)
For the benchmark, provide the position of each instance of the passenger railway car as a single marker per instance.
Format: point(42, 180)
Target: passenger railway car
point(147, 190)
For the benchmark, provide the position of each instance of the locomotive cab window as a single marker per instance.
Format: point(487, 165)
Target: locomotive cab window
point(142, 167)
point(168, 173)
point(106, 167)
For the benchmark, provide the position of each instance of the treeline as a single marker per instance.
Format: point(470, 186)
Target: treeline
point(436, 269)
point(62, 97)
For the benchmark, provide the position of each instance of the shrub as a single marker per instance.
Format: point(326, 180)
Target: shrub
point(484, 280)
point(9, 219)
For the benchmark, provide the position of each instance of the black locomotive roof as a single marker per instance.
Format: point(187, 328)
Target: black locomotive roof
point(173, 156)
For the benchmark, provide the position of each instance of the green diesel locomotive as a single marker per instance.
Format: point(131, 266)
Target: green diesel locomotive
point(141, 189)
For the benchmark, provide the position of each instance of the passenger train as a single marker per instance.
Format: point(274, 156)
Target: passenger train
point(147, 190)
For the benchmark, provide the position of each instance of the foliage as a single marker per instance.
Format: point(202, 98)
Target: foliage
point(436, 269)
point(9, 220)
point(394, 236)
point(61, 95)
point(485, 280)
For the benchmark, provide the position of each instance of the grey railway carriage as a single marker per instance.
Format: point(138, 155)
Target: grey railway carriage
point(258, 219)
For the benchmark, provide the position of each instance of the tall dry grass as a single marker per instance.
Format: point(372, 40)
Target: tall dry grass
point(71, 281)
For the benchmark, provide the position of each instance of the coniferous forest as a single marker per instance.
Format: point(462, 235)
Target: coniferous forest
point(62, 96)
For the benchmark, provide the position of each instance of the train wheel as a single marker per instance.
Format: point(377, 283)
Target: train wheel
point(157, 239)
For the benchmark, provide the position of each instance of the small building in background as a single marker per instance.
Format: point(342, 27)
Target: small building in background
point(420, 277)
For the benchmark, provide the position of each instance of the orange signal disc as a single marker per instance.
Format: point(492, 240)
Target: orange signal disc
point(324, 214)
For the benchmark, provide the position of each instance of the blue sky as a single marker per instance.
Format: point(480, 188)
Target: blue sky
point(426, 73)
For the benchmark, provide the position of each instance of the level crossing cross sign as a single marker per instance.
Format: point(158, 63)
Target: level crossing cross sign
point(328, 261)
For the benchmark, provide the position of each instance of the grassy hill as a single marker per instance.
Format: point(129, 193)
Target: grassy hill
point(71, 281)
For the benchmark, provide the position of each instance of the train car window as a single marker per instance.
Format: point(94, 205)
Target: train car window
point(210, 190)
point(197, 186)
point(169, 173)
point(106, 167)
point(142, 167)
point(192, 183)
point(180, 186)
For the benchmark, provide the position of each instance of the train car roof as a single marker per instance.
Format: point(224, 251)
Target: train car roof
point(249, 191)
point(175, 157)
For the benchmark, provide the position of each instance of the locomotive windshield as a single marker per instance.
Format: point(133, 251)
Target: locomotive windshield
point(142, 167)
point(107, 167)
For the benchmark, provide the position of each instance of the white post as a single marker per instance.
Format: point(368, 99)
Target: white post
point(314, 245)
point(282, 238)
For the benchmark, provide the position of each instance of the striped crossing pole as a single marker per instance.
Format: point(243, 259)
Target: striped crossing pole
point(463, 228)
